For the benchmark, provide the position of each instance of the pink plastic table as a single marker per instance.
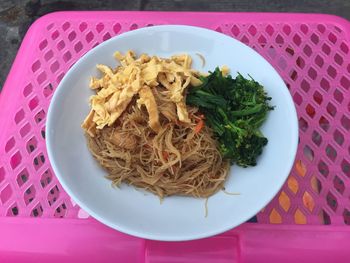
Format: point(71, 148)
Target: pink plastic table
point(311, 53)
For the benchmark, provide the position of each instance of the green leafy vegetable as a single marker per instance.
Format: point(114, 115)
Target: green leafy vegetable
point(235, 109)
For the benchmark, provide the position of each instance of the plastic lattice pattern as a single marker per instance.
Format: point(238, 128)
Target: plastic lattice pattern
point(311, 52)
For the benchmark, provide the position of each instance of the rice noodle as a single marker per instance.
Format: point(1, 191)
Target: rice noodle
point(174, 161)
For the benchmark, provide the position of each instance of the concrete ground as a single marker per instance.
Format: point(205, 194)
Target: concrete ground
point(17, 15)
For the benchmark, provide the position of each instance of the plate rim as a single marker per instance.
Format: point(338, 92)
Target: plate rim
point(148, 235)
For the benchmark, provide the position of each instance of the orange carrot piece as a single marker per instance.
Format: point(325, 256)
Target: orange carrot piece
point(165, 155)
point(199, 126)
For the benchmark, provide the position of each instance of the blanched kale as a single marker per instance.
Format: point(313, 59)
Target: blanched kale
point(235, 109)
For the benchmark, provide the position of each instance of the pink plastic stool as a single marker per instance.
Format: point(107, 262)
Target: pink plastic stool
point(312, 54)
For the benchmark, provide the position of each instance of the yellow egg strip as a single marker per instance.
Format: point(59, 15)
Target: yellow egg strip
point(137, 77)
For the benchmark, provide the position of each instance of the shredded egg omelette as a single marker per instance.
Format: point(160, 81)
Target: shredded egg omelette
point(136, 77)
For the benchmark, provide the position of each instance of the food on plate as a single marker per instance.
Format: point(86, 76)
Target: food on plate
point(157, 124)
point(143, 133)
point(235, 109)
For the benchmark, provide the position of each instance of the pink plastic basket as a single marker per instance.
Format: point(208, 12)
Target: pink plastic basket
point(310, 52)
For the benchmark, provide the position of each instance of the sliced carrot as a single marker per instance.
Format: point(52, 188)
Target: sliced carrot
point(199, 126)
point(165, 155)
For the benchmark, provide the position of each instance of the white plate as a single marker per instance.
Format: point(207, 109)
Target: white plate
point(177, 218)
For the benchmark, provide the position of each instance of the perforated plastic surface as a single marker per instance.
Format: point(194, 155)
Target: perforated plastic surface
point(311, 52)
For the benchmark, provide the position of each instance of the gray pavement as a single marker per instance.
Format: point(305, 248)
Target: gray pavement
point(17, 15)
